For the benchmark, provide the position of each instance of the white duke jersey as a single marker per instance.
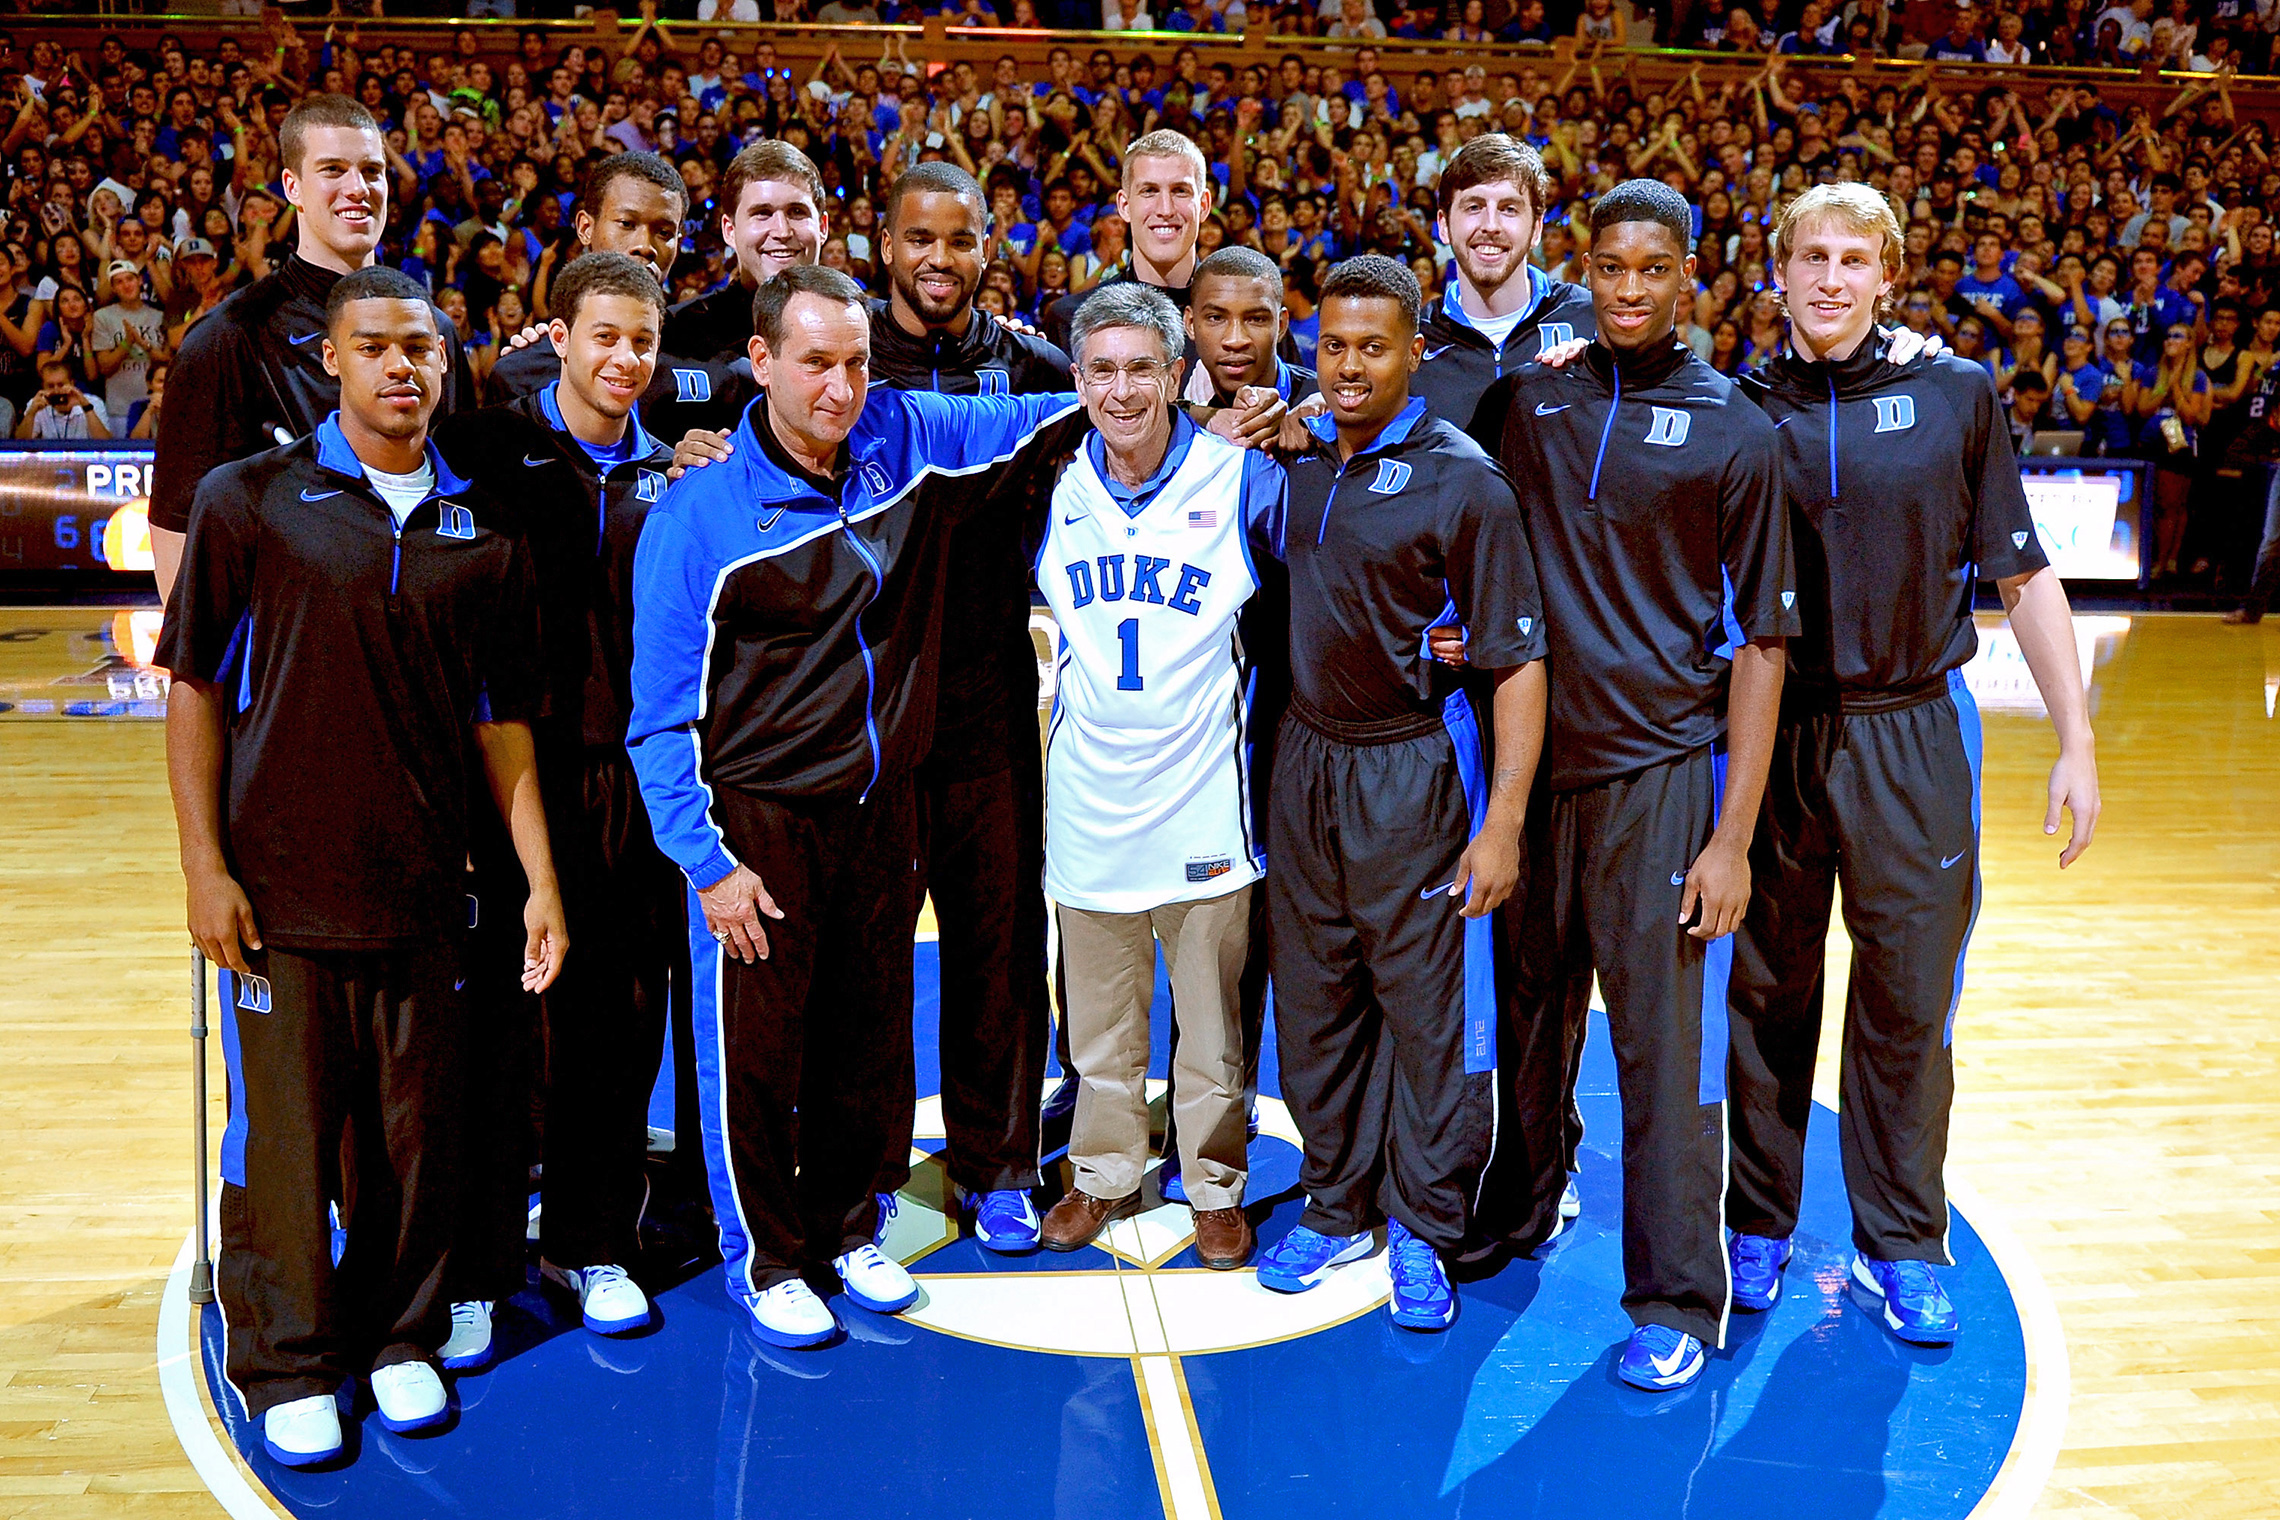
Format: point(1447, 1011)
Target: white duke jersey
point(1147, 756)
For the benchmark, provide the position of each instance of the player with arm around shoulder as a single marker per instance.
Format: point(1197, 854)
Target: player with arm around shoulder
point(1391, 841)
point(1901, 489)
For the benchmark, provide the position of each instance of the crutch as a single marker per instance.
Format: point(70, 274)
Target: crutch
point(201, 1269)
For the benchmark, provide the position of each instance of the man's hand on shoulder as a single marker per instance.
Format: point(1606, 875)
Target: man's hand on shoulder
point(696, 450)
point(1558, 355)
point(1254, 421)
point(1905, 345)
point(525, 338)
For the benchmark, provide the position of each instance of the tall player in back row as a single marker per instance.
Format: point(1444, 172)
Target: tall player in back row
point(251, 377)
point(1902, 490)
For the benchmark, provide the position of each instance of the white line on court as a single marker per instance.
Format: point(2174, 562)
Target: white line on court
point(2042, 1420)
point(187, 1411)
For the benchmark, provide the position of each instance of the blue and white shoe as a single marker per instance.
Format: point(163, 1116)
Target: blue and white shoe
point(1005, 1221)
point(1660, 1359)
point(303, 1433)
point(887, 1208)
point(1304, 1257)
point(410, 1397)
point(1169, 1184)
point(790, 1315)
point(1422, 1296)
point(1756, 1262)
point(1909, 1296)
point(469, 1344)
point(1571, 1201)
point(876, 1281)
point(609, 1302)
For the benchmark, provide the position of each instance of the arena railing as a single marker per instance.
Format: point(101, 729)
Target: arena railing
point(2254, 97)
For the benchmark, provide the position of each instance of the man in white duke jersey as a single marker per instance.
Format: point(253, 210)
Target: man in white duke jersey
point(1148, 830)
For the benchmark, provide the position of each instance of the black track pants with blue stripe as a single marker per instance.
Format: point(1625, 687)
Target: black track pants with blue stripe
point(345, 1071)
point(1384, 999)
point(1887, 802)
point(804, 1059)
point(1606, 867)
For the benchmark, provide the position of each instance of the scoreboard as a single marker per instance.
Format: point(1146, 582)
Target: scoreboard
point(71, 509)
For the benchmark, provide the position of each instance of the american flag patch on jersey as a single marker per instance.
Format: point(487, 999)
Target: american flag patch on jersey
point(1207, 517)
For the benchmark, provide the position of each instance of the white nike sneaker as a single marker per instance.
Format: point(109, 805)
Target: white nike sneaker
point(789, 1314)
point(611, 1302)
point(410, 1396)
point(470, 1344)
point(875, 1281)
point(1571, 1201)
point(304, 1432)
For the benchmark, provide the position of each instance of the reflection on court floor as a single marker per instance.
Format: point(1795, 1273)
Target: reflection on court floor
point(1125, 1381)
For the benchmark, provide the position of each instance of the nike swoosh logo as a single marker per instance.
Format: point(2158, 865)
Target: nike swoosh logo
point(1435, 353)
point(455, 986)
point(1949, 863)
point(1678, 878)
point(1784, 422)
point(1665, 1366)
point(1543, 409)
point(533, 460)
point(1080, 517)
point(304, 338)
point(770, 520)
point(309, 495)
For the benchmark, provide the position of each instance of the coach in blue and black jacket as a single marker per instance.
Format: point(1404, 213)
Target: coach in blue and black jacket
point(783, 691)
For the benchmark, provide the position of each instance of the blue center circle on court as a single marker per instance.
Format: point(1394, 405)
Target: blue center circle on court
point(1514, 1412)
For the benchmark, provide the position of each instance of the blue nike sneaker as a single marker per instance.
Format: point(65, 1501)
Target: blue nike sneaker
point(1660, 1359)
point(1005, 1221)
point(1422, 1297)
point(1908, 1294)
point(1168, 1182)
point(1301, 1259)
point(887, 1206)
point(1756, 1262)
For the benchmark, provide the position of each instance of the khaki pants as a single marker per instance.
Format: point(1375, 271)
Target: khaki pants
point(1108, 975)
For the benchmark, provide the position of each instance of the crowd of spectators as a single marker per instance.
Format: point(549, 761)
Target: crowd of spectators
point(2113, 268)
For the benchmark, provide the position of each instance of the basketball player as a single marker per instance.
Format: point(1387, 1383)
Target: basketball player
point(1149, 833)
point(1237, 329)
point(1237, 324)
point(1390, 841)
point(347, 601)
point(249, 378)
point(771, 218)
point(1901, 490)
point(1165, 198)
point(981, 790)
point(1649, 485)
point(1502, 310)
point(633, 203)
point(784, 671)
point(582, 473)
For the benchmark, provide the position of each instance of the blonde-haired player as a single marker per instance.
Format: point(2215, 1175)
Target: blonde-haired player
point(1902, 491)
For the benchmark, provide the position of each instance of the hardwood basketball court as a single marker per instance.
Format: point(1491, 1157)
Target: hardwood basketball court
point(2118, 1113)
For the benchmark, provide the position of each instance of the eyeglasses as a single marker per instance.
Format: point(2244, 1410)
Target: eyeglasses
point(1102, 375)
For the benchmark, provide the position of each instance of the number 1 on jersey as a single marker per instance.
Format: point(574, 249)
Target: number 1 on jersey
point(1128, 636)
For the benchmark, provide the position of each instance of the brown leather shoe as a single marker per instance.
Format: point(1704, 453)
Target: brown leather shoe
point(1223, 1238)
point(1077, 1220)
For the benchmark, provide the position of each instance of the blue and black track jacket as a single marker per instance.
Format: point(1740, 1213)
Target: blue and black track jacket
point(1466, 380)
point(786, 642)
point(1901, 485)
point(353, 652)
point(582, 519)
